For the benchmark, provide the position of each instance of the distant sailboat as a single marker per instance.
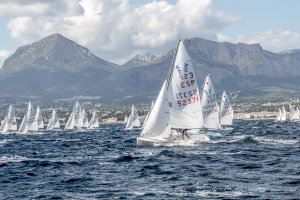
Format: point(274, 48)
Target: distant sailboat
point(294, 113)
point(10, 121)
point(75, 120)
point(283, 114)
point(85, 119)
point(29, 122)
point(279, 114)
point(176, 107)
point(53, 122)
point(39, 118)
point(133, 120)
point(210, 107)
point(226, 111)
point(94, 123)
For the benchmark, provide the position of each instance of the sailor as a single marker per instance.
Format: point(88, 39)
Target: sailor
point(184, 133)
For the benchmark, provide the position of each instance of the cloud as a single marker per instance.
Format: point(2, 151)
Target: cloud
point(116, 29)
point(3, 55)
point(273, 39)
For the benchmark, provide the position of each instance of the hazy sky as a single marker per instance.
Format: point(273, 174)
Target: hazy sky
point(118, 29)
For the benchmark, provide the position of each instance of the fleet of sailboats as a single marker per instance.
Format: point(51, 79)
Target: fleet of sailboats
point(33, 120)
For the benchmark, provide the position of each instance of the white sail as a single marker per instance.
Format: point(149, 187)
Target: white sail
point(23, 127)
point(297, 114)
point(226, 111)
point(85, 120)
point(94, 123)
point(159, 117)
point(210, 106)
point(39, 118)
point(31, 120)
point(53, 122)
point(283, 114)
point(183, 93)
point(133, 120)
point(76, 118)
point(135, 117)
point(147, 116)
point(9, 122)
point(278, 117)
point(129, 125)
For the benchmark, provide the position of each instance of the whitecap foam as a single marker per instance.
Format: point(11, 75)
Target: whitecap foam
point(7, 159)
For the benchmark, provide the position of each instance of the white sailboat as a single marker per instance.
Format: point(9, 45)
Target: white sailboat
point(39, 118)
point(279, 114)
point(29, 123)
point(294, 113)
point(133, 120)
point(210, 107)
point(226, 111)
point(283, 114)
point(85, 119)
point(94, 122)
point(75, 120)
point(53, 122)
point(176, 107)
point(10, 121)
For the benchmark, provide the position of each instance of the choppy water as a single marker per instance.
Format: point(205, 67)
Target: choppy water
point(257, 160)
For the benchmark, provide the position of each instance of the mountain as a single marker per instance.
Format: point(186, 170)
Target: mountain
point(140, 60)
point(56, 67)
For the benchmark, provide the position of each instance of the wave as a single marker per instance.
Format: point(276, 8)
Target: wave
point(12, 159)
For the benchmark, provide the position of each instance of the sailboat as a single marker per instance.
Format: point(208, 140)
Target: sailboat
point(294, 113)
point(147, 116)
point(53, 122)
point(29, 122)
point(10, 121)
point(177, 106)
point(283, 114)
point(75, 120)
point(210, 107)
point(133, 119)
point(279, 114)
point(94, 123)
point(226, 111)
point(85, 119)
point(39, 118)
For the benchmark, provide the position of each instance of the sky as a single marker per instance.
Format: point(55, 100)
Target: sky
point(116, 30)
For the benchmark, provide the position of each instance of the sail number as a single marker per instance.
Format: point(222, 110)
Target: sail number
point(185, 98)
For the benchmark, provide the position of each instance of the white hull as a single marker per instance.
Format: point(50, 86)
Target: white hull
point(175, 139)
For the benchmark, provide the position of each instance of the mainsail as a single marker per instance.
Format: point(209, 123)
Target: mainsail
point(226, 111)
point(23, 127)
point(183, 93)
point(210, 105)
point(178, 103)
point(53, 122)
point(94, 123)
point(39, 118)
point(85, 120)
point(283, 114)
point(279, 114)
point(9, 122)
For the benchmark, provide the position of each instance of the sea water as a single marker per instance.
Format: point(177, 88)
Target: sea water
point(256, 160)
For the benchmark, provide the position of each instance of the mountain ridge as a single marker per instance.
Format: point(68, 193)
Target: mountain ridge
point(73, 70)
